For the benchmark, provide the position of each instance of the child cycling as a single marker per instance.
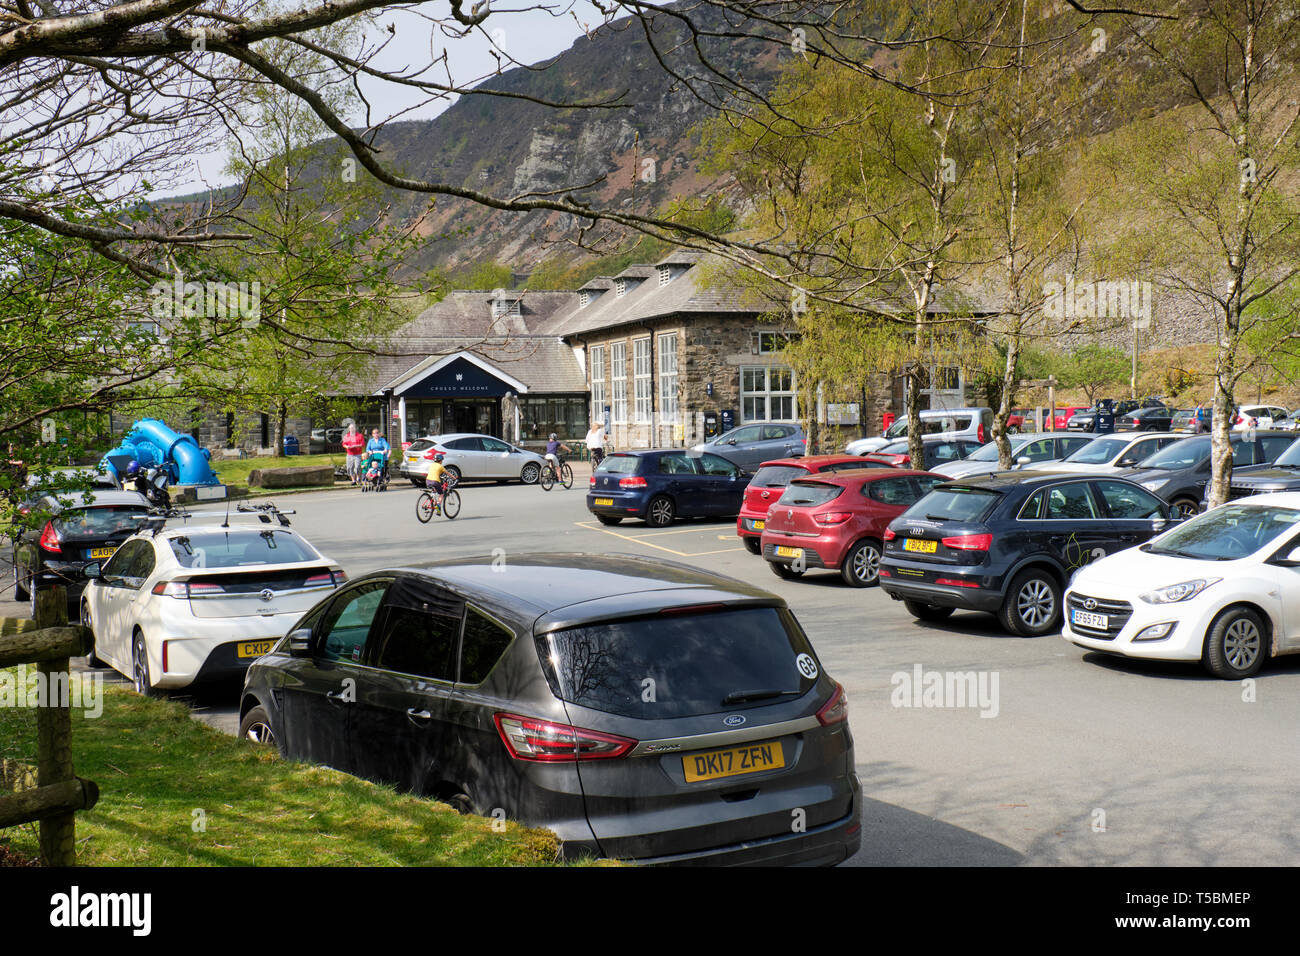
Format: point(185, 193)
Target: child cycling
point(436, 478)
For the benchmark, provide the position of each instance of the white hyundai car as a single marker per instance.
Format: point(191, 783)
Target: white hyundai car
point(174, 606)
point(1222, 588)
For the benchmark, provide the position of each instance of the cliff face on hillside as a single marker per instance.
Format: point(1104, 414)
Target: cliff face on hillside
point(635, 158)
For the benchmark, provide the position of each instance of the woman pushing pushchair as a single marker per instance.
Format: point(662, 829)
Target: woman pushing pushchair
point(374, 466)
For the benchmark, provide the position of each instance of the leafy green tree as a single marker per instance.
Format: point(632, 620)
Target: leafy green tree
point(1093, 368)
point(322, 256)
point(1218, 177)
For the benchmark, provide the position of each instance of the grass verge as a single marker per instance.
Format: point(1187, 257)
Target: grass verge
point(174, 792)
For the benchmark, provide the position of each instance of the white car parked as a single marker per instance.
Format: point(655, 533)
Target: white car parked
point(1109, 454)
point(178, 605)
point(974, 424)
point(1222, 588)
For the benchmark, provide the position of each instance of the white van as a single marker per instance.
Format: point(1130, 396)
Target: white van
point(975, 424)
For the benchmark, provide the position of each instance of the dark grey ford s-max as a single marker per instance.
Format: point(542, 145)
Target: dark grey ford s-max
point(642, 710)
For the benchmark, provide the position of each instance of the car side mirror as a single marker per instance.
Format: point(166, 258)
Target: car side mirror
point(731, 441)
point(92, 571)
point(300, 642)
point(1022, 460)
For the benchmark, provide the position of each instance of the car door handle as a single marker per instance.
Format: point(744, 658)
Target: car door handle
point(418, 714)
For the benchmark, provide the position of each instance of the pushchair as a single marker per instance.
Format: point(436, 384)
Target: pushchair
point(374, 472)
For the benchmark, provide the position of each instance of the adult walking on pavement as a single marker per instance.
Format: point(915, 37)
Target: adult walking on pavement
point(1199, 424)
point(354, 443)
point(596, 443)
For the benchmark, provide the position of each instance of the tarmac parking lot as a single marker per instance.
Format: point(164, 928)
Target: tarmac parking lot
point(973, 747)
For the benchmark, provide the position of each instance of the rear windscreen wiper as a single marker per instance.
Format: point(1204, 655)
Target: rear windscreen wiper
point(742, 696)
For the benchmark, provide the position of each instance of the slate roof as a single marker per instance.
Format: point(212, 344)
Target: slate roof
point(688, 293)
point(463, 321)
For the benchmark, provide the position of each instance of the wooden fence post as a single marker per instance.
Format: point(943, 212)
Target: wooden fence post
point(54, 734)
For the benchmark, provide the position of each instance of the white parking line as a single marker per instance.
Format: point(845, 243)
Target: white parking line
point(651, 544)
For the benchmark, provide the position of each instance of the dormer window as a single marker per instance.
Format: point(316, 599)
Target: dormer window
point(620, 287)
point(505, 306)
point(665, 275)
point(584, 297)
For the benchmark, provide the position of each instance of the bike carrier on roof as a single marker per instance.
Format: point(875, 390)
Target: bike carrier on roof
point(266, 513)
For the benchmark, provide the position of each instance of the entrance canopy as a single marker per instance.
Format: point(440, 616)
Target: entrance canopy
point(460, 375)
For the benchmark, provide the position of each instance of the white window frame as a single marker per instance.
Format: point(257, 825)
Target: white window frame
point(597, 359)
point(668, 405)
point(767, 394)
point(643, 379)
point(618, 382)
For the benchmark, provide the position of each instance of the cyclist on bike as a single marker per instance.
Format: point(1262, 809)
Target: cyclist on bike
point(553, 448)
point(436, 478)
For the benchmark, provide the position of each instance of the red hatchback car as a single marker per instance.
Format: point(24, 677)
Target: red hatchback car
point(836, 521)
point(769, 482)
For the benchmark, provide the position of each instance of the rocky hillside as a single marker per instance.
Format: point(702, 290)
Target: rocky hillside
point(507, 146)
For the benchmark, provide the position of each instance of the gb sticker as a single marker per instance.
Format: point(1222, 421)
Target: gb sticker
point(806, 665)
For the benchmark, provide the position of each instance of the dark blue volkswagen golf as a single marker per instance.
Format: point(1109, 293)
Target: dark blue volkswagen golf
point(660, 486)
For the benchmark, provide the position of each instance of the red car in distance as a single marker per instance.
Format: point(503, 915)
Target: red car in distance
point(770, 480)
point(837, 521)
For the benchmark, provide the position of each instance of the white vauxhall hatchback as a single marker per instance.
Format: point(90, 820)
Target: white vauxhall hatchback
point(1222, 588)
point(175, 606)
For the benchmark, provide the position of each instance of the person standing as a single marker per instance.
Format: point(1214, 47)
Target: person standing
point(354, 443)
point(1198, 423)
point(596, 443)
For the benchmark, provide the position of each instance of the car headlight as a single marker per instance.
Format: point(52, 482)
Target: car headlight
point(1153, 485)
point(1178, 592)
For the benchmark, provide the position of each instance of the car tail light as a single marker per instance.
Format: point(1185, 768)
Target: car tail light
point(1237, 420)
point(632, 482)
point(175, 589)
point(980, 434)
point(202, 588)
point(957, 582)
point(969, 542)
point(833, 517)
point(340, 576)
point(592, 481)
point(890, 534)
point(544, 741)
point(319, 580)
point(883, 573)
point(430, 455)
point(836, 709)
point(50, 539)
point(166, 646)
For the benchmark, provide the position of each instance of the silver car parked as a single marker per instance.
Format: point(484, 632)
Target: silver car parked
point(470, 457)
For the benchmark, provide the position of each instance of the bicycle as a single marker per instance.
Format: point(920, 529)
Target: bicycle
point(548, 477)
point(430, 503)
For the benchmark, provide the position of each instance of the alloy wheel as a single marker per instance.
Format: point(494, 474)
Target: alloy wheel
point(1242, 643)
point(1035, 604)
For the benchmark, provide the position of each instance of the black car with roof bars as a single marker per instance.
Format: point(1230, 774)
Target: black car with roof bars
point(1008, 543)
point(1180, 472)
point(640, 709)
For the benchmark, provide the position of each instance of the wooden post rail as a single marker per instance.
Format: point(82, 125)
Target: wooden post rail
point(58, 792)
